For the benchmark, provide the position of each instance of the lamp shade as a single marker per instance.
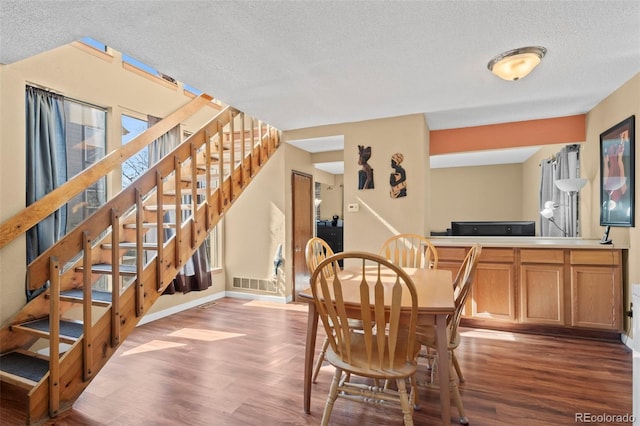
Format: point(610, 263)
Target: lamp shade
point(571, 185)
point(547, 212)
point(517, 63)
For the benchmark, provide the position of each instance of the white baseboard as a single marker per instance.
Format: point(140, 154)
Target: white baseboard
point(179, 308)
point(261, 297)
point(197, 302)
point(628, 341)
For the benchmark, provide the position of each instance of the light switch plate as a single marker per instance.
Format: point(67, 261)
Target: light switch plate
point(353, 207)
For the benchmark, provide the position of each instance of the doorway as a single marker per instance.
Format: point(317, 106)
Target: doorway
point(301, 199)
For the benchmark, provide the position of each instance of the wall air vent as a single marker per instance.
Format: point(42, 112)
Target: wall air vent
point(268, 286)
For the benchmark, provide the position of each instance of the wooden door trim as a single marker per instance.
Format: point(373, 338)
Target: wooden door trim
point(295, 173)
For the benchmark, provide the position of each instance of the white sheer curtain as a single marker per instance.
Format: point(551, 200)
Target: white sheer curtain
point(195, 274)
point(565, 165)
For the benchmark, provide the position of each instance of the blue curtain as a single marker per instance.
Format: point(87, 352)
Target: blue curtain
point(46, 166)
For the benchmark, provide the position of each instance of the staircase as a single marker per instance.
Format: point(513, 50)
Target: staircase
point(53, 348)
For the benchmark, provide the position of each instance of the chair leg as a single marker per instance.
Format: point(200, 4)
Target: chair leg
point(455, 393)
point(316, 368)
point(430, 357)
point(415, 399)
point(457, 367)
point(331, 399)
point(405, 403)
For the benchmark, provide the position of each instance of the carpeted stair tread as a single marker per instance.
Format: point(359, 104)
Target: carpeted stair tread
point(67, 328)
point(107, 268)
point(96, 295)
point(25, 366)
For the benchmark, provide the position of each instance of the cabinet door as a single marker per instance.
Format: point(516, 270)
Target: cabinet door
point(596, 297)
point(542, 294)
point(493, 292)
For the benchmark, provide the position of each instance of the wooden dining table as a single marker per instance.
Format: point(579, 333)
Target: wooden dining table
point(435, 302)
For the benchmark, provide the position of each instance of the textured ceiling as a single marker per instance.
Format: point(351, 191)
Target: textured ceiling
point(301, 64)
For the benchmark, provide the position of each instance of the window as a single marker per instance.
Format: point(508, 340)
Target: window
point(63, 138)
point(136, 63)
point(85, 142)
point(191, 89)
point(139, 163)
point(94, 43)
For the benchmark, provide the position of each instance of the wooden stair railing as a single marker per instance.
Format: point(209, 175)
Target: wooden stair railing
point(125, 242)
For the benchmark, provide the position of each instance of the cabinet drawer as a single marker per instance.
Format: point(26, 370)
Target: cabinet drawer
point(595, 257)
point(497, 255)
point(451, 253)
point(541, 256)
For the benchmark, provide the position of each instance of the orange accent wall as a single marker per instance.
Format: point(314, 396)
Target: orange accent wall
point(546, 131)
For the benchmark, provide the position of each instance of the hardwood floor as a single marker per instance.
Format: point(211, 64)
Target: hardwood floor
point(236, 362)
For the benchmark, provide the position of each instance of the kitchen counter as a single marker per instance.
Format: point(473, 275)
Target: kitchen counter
point(525, 242)
point(569, 286)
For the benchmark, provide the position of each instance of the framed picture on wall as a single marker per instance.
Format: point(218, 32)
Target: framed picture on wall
point(617, 174)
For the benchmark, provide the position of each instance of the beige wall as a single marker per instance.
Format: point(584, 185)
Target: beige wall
point(621, 104)
point(380, 216)
point(255, 225)
point(261, 219)
point(461, 192)
point(69, 70)
point(476, 193)
point(332, 196)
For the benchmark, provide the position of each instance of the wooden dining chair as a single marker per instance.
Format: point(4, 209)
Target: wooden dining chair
point(385, 348)
point(316, 251)
point(426, 335)
point(410, 251)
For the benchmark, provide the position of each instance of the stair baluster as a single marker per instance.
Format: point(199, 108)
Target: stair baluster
point(177, 167)
point(139, 254)
point(243, 155)
point(223, 197)
point(232, 150)
point(115, 278)
point(159, 233)
point(87, 310)
point(54, 337)
point(194, 194)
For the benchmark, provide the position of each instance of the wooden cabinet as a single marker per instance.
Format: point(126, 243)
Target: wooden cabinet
point(332, 235)
point(493, 289)
point(543, 289)
point(595, 289)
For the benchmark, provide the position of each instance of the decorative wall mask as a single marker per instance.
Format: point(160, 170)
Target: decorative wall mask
point(398, 178)
point(365, 176)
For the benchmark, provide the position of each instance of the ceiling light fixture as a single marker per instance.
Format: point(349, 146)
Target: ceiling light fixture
point(517, 63)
